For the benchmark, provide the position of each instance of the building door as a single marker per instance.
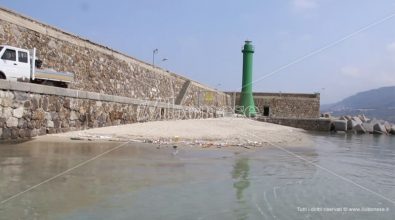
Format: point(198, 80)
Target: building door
point(266, 111)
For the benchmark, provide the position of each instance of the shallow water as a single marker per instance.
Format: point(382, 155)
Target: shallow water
point(138, 181)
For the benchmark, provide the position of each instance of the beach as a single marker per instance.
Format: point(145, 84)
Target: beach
point(218, 132)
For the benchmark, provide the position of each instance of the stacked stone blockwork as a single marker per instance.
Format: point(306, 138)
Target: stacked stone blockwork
point(101, 69)
point(284, 105)
point(27, 111)
point(110, 88)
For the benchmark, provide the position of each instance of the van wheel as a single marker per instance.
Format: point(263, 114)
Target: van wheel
point(48, 83)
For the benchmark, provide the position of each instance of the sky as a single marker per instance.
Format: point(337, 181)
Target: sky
point(333, 47)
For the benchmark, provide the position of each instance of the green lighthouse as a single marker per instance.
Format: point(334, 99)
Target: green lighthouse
point(246, 98)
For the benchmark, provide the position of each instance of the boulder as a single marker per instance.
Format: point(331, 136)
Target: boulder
point(48, 116)
point(359, 129)
point(12, 122)
point(327, 115)
point(392, 129)
point(6, 98)
point(22, 123)
point(18, 112)
point(379, 129)
point(7, 112)
point(38, 115)
point(340, 125)
point(50, 124)
point(74, 116)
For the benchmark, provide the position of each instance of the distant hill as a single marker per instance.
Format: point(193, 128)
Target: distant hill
point(376, 103)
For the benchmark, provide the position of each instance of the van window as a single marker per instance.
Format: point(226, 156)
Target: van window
point(9, 55)
point(22, 57)
point(1, 48)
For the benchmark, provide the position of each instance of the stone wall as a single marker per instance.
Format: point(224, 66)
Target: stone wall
point(285, 105)
point(101, 69)
point(28, 110)
point(310, 124)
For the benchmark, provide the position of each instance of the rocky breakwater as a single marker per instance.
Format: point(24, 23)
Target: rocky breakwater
point(361, 124)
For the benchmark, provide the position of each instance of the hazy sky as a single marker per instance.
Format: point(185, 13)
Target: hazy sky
point(202, 39)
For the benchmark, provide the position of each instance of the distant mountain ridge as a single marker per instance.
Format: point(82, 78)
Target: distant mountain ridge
point(376, 103)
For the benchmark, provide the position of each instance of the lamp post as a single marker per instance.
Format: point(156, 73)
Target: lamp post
point(154, 52)
point(163, 62)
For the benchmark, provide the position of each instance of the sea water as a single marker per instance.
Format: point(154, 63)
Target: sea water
point(339, 176)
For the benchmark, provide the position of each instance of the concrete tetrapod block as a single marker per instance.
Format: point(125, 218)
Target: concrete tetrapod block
point(359, 129)
point(363, 118)
point(379, 129)
point(387, 126)
point(340, 125)
point(351, 124)
point(368, 127)
point(392, 129)
point(357, 119)
point(343, 117)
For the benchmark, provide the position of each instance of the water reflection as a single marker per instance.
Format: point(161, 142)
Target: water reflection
point(131, 182)
point(26, 164)
point(241, 183)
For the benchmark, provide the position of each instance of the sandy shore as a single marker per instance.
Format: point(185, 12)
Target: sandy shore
point(219, 132)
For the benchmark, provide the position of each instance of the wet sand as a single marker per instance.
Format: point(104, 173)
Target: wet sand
point(219, 132)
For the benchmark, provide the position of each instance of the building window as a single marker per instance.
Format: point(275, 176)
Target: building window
point(9, 55)
point(22, 57)
point(266, 111)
